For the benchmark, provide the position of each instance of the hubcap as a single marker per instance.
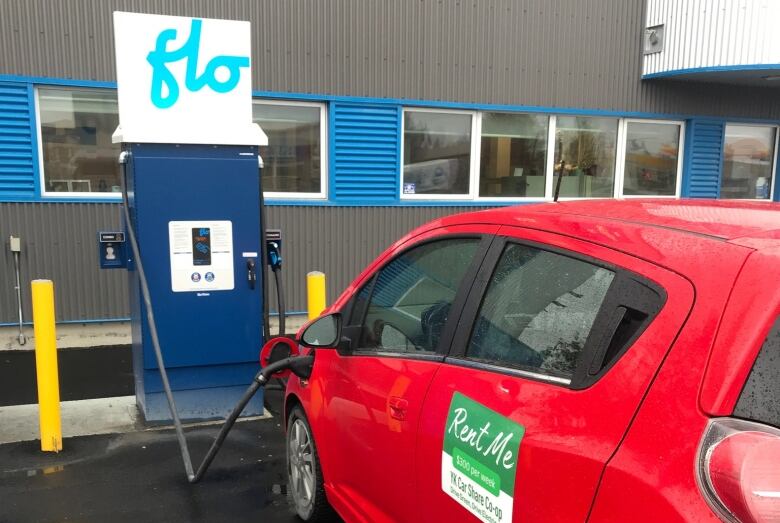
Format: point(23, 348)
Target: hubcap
point(300, 465)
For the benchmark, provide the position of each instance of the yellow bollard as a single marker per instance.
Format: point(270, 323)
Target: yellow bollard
point(46, 365)
point(315, 293)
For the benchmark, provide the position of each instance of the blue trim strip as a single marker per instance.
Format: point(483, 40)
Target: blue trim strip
point(56, 81)
point(34, 140)
point(712, 69)
point(330, 190)
point(399, 103)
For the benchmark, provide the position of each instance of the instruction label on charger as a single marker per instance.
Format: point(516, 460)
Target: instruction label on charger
point(201, 255)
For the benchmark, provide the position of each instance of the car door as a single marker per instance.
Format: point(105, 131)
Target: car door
point(376, 381)
point(556, 345)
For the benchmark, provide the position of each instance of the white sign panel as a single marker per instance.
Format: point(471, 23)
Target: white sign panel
point(184, 80)
point(201, 256)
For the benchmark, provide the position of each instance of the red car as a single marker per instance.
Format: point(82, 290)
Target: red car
point(581, 361)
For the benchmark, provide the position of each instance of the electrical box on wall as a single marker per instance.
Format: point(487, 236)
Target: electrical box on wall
point(112, 250)
point(654, 39)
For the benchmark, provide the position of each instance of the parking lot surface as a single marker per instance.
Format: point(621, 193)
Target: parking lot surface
point(139, 477)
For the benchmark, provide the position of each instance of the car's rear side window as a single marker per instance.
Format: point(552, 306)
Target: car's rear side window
point(538, 311)
point(760, 398)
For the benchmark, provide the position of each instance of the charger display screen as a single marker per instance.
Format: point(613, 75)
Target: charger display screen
point(201, 246)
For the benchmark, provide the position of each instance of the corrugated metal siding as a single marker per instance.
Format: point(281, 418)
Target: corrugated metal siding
point(711, 33)
point(365, 152)
point(59, 242)
point(17, 174)
point(555, 53)
point(705, 158)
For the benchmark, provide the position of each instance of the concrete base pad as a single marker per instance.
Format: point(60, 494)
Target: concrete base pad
point(79, 418)
point(71, 335)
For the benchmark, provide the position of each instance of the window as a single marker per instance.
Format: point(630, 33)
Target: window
point(748, 161)
point(77, 155)
point(437, 153)
point(513, 155)
point(455, 155)
point(412, 295)
point(538, 311)
point(587, 146)
point(652, 165)
point(760, 398)
point(295, 156)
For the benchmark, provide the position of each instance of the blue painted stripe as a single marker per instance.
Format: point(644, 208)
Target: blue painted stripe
point(713, 69)
point(363, 143)
point(18, 153)
point(703, 158)
point(365, 161)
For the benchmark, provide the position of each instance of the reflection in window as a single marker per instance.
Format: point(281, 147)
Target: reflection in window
point(292, 158)
point(748, 153)
point(587, 146)
point(538, 311)
point(437, 153)
point(652, 154)
point(413, 294)
point(513, 155)
point(76, 128)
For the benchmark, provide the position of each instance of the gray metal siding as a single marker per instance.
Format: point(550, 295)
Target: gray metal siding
point(554, 53)
point(59, 243)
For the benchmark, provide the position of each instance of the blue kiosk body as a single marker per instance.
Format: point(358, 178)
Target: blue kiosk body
point(196, 213)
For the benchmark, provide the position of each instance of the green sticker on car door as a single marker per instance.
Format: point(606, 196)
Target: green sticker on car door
point(479, 459)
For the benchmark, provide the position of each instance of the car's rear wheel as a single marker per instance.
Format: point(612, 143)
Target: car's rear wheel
point(304, 475)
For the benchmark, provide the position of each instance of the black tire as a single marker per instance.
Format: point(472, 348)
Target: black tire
point(314, 508)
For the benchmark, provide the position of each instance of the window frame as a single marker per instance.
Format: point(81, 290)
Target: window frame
point(618, 169)
point(55, 195)
point(324, 149)
point(461, 337)
point(484, 241)
point(620, 172)
point(549, 162)
point(473, 162)
point(772, 184)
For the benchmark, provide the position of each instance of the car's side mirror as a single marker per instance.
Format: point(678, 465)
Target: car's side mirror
point(323, 332)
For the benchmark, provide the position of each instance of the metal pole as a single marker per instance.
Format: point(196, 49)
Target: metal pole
point(22, 339)
point(315, 293)
point(46, 365)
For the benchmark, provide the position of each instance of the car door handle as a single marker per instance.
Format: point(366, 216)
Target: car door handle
point(398, 407)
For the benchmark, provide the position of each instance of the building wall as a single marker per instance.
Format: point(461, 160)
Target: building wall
point(59, 243)
point(552, 53)
point(714, 34)
point(558, 56)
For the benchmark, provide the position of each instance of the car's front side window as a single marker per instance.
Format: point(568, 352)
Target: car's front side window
point(411, 297)
point(538, 311)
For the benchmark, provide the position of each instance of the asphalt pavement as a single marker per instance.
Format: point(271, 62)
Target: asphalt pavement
point(139, 476)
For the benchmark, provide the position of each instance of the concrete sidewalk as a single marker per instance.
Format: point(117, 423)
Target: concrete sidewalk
point(82, 418)
point(71, 335)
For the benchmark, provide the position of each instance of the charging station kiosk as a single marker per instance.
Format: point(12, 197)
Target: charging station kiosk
point(192, 171)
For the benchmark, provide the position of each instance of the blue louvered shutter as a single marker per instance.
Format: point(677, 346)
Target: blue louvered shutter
point(17, 173)
point(365, 144)
point(705, 158)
